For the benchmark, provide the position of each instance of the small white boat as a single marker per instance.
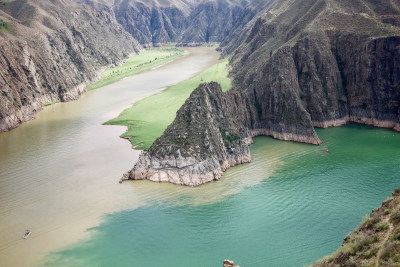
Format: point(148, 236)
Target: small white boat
point(27, 234)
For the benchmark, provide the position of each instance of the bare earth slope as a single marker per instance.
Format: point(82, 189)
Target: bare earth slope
point(303, 64)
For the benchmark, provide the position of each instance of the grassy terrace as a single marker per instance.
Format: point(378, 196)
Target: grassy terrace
point(147, 119)
point(146, 60)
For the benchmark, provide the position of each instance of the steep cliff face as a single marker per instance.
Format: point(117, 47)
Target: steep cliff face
point(212, 132)
point(185, 22)
point(152, 23)
point(345, 61)
point(243, 24)
point(375, 242)
point(210, 21)
point(304, 64)
point(201, 143)
point(51, 51)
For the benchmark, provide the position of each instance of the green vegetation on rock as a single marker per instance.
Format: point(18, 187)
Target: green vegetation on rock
point(4, 25)
point(49, 103)
point(376, 241)
point(148, 118)
point(146, 60)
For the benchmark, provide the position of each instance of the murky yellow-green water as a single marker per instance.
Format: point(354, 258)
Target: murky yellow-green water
point(59, 173)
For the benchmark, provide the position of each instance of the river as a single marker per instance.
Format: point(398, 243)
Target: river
point(290, 206)
point(59, 173)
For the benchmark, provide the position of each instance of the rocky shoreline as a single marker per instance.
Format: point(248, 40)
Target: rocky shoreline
point(209, 136)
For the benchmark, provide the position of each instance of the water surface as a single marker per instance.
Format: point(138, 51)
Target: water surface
point(59, 173)
point(290, 206)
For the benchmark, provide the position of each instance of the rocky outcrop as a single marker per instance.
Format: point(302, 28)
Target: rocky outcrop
point(51, 52)
point(200, 144)
point(212, 132)
point(229, 263)
point(375, 242)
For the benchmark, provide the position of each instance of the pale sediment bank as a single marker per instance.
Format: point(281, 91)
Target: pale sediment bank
point(314, 140)
point(352, 119)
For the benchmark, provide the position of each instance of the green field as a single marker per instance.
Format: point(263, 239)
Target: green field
point(146, 60)
point(147, 119)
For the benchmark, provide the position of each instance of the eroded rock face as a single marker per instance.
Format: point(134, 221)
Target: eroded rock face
point(212, 132)
point(201, 143)
point(336, 63)
point(210, 21)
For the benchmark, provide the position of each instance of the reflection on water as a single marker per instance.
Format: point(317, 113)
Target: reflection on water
point(302, 212)
point(59, 173)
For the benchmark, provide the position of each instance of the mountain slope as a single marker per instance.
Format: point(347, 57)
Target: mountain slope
point(50, 51)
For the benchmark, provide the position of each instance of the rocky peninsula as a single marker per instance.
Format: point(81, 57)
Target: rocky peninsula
point(335, 67)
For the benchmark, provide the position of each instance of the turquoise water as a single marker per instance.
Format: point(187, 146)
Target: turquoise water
point(289, 207)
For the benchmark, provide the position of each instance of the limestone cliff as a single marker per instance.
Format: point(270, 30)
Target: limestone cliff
point(375, 242)
point(49, 52)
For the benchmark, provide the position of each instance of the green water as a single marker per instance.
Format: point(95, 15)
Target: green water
point(293, 204)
